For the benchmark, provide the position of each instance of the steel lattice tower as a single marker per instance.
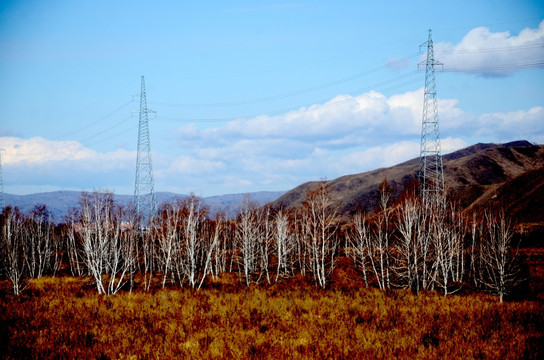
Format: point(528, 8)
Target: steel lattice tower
point(431, 174)
point(145, 202)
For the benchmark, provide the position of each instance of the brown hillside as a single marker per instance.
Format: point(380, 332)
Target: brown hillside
point(522, 198)
point(469, 173)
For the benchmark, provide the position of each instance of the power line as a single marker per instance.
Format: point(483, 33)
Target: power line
point(292, 93)
point(376, 86)
point(132, 128)
point(511, 66)
point(94, 122)
point(499, 49)
point(492, 24)
point(106, 129)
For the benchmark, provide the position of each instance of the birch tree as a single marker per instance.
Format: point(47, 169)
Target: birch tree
point(168, 238)
point(109, 252)
point(284, 245)
point(408, 246)
point(12, 249)
point(500, 273)
point(73, 245)
point(247, 236)
point(322, 239)
point(38, 241)
point(358, 240)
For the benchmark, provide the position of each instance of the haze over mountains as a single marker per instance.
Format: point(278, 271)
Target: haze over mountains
point(510, 175)
point(59, 203)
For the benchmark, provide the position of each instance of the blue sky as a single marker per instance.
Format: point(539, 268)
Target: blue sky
point(254, 95)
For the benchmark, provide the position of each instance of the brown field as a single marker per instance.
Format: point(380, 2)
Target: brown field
point(64, 317)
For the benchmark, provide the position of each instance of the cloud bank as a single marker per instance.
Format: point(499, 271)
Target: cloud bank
point(493, 54)
point(38, 164)
point(348, 134)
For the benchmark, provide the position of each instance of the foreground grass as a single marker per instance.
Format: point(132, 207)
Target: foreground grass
point(65, 318)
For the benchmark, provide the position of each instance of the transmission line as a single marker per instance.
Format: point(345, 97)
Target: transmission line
point(376, 86)
point(289, 94)
point(94, 122)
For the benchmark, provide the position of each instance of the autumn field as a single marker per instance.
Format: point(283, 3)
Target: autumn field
point(412, 281)
point(64, 317)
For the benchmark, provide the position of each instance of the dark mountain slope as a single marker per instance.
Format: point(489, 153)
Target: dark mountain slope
point(522, 198)
point(469, 173)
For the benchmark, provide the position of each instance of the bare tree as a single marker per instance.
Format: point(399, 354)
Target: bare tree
point(12, 249)
point(247, 237)
point(385, 198)
point(358, 240)
point(322, 238)
point(284, 244)
point(264, 239)
point(168, 237)
point(448, 230)
point(408, 246)
point(425, 249)
point(148, 253)
point(212, 249)
point(192, 216)
point(220, 250)
point(378, 237)
point(458, 233)
point(500, 273)
point(38, 242)
point(109, 251)
point(74, 248)
point(199, 241)
point(301, 231)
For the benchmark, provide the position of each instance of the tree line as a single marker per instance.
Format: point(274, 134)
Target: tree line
point(403, 244)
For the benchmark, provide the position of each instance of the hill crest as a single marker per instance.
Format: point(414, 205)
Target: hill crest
point(469, 174)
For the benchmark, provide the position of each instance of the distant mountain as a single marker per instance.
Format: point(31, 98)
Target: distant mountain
point(508, 175)
point(478, 175)
point(59, 203)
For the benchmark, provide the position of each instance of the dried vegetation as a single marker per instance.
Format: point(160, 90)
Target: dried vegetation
point(270, 284)
point(64, 317)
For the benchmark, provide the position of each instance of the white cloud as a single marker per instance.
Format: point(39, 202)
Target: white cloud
point(450, 144)
point(527, 125)
point(493, 54)
point(42, 164)
point(344, 121)
point(38, 150)
point(348, 134)
point(187, 165)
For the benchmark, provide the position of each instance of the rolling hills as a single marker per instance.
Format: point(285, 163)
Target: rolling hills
point(510, 175)
point(59, 203)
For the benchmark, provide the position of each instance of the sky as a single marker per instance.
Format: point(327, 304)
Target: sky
point(249, 96)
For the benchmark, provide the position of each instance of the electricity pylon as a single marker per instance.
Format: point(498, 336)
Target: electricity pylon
point(431, 174)
point(145, 202)
point(2, 196)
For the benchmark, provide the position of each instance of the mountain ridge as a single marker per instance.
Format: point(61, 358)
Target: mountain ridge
point(480, 175)
point(60, 202)
point(470, 173)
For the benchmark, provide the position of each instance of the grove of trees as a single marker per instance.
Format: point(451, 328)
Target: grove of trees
point(402, 244)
